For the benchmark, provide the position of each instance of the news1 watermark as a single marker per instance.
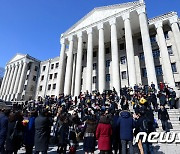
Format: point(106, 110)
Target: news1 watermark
point(158, 137)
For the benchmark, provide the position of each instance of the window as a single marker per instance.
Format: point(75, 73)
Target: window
point(108, 77)
point(123, 74)
point(94, 54)
point(36, 68)
point(94, 66)
point(54, 86)
point(107, 50)
point(34, 78)
point(158, 70)
point(25, 86)
point(153, 38)
point(169, 48)
point(122, 46)
point(29, 65)
point(42, 77)
point(27, 77)
point(52, 66)
point(44, 68)
point(83, 57)
point(123, 60)
point(166, 36)
point(141, 56)
point(50, 76)
point(177, 84)
point(55, 75)
point(107, 63)
point(40, 88)
point(57, 65)
point(49, 87)
point(144, 72)
point(156, 53)
point(173, 66)
point(140, 41)
point(94, 79)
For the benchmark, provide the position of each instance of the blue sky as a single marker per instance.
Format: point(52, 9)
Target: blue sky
point(34, 26)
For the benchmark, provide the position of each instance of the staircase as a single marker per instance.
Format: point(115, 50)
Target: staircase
point(174, 123)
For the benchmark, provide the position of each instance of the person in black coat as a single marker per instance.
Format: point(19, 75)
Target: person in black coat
point(162, 99)
point(164, 117)
point(62, 133)
point(14, 133)
point(89, 142)
point(3, 128)
point(42, 132)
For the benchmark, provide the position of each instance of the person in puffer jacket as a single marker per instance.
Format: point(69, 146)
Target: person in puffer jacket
point(126, 124)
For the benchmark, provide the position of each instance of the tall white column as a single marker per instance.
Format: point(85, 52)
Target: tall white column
point(6, 80)
point(23, 73)
point(89, 60)
point(115, 56)
point(62, 64)
point(78, 65)
point(168, 74)
point(101, 59)
point(13, 79)
point(176, 32)
point(149, 61)
point(17, 78)
point(69, 66)
point(129, 50)
point(3, 82)
point(73, 74)
point(10, 80)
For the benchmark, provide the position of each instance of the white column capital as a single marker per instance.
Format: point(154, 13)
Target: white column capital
point(70, 38)
point(126, 16)
point(24, 62)
point(173, 19)
point(100, 26)
point(158, 24)
point(62, 40)
point(141, 9)
point(112, 21)
point(79, 34)
point(89, 30)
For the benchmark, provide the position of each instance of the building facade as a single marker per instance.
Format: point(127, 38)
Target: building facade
point(112, 46)
point(47, 80)
point(20, 78)
point(117, 46)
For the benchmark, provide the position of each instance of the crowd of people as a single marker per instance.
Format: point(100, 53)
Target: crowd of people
point(106, 119)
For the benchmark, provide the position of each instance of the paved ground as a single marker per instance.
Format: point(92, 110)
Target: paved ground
point(158, 149)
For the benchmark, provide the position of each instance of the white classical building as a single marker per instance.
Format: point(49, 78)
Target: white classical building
point(112, 46)
point(20, 79)
point(117, 45)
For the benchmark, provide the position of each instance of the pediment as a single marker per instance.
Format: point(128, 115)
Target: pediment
point(99, 14)
point(16, 58)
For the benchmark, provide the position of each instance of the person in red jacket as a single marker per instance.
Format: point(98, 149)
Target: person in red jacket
point(103, 135)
